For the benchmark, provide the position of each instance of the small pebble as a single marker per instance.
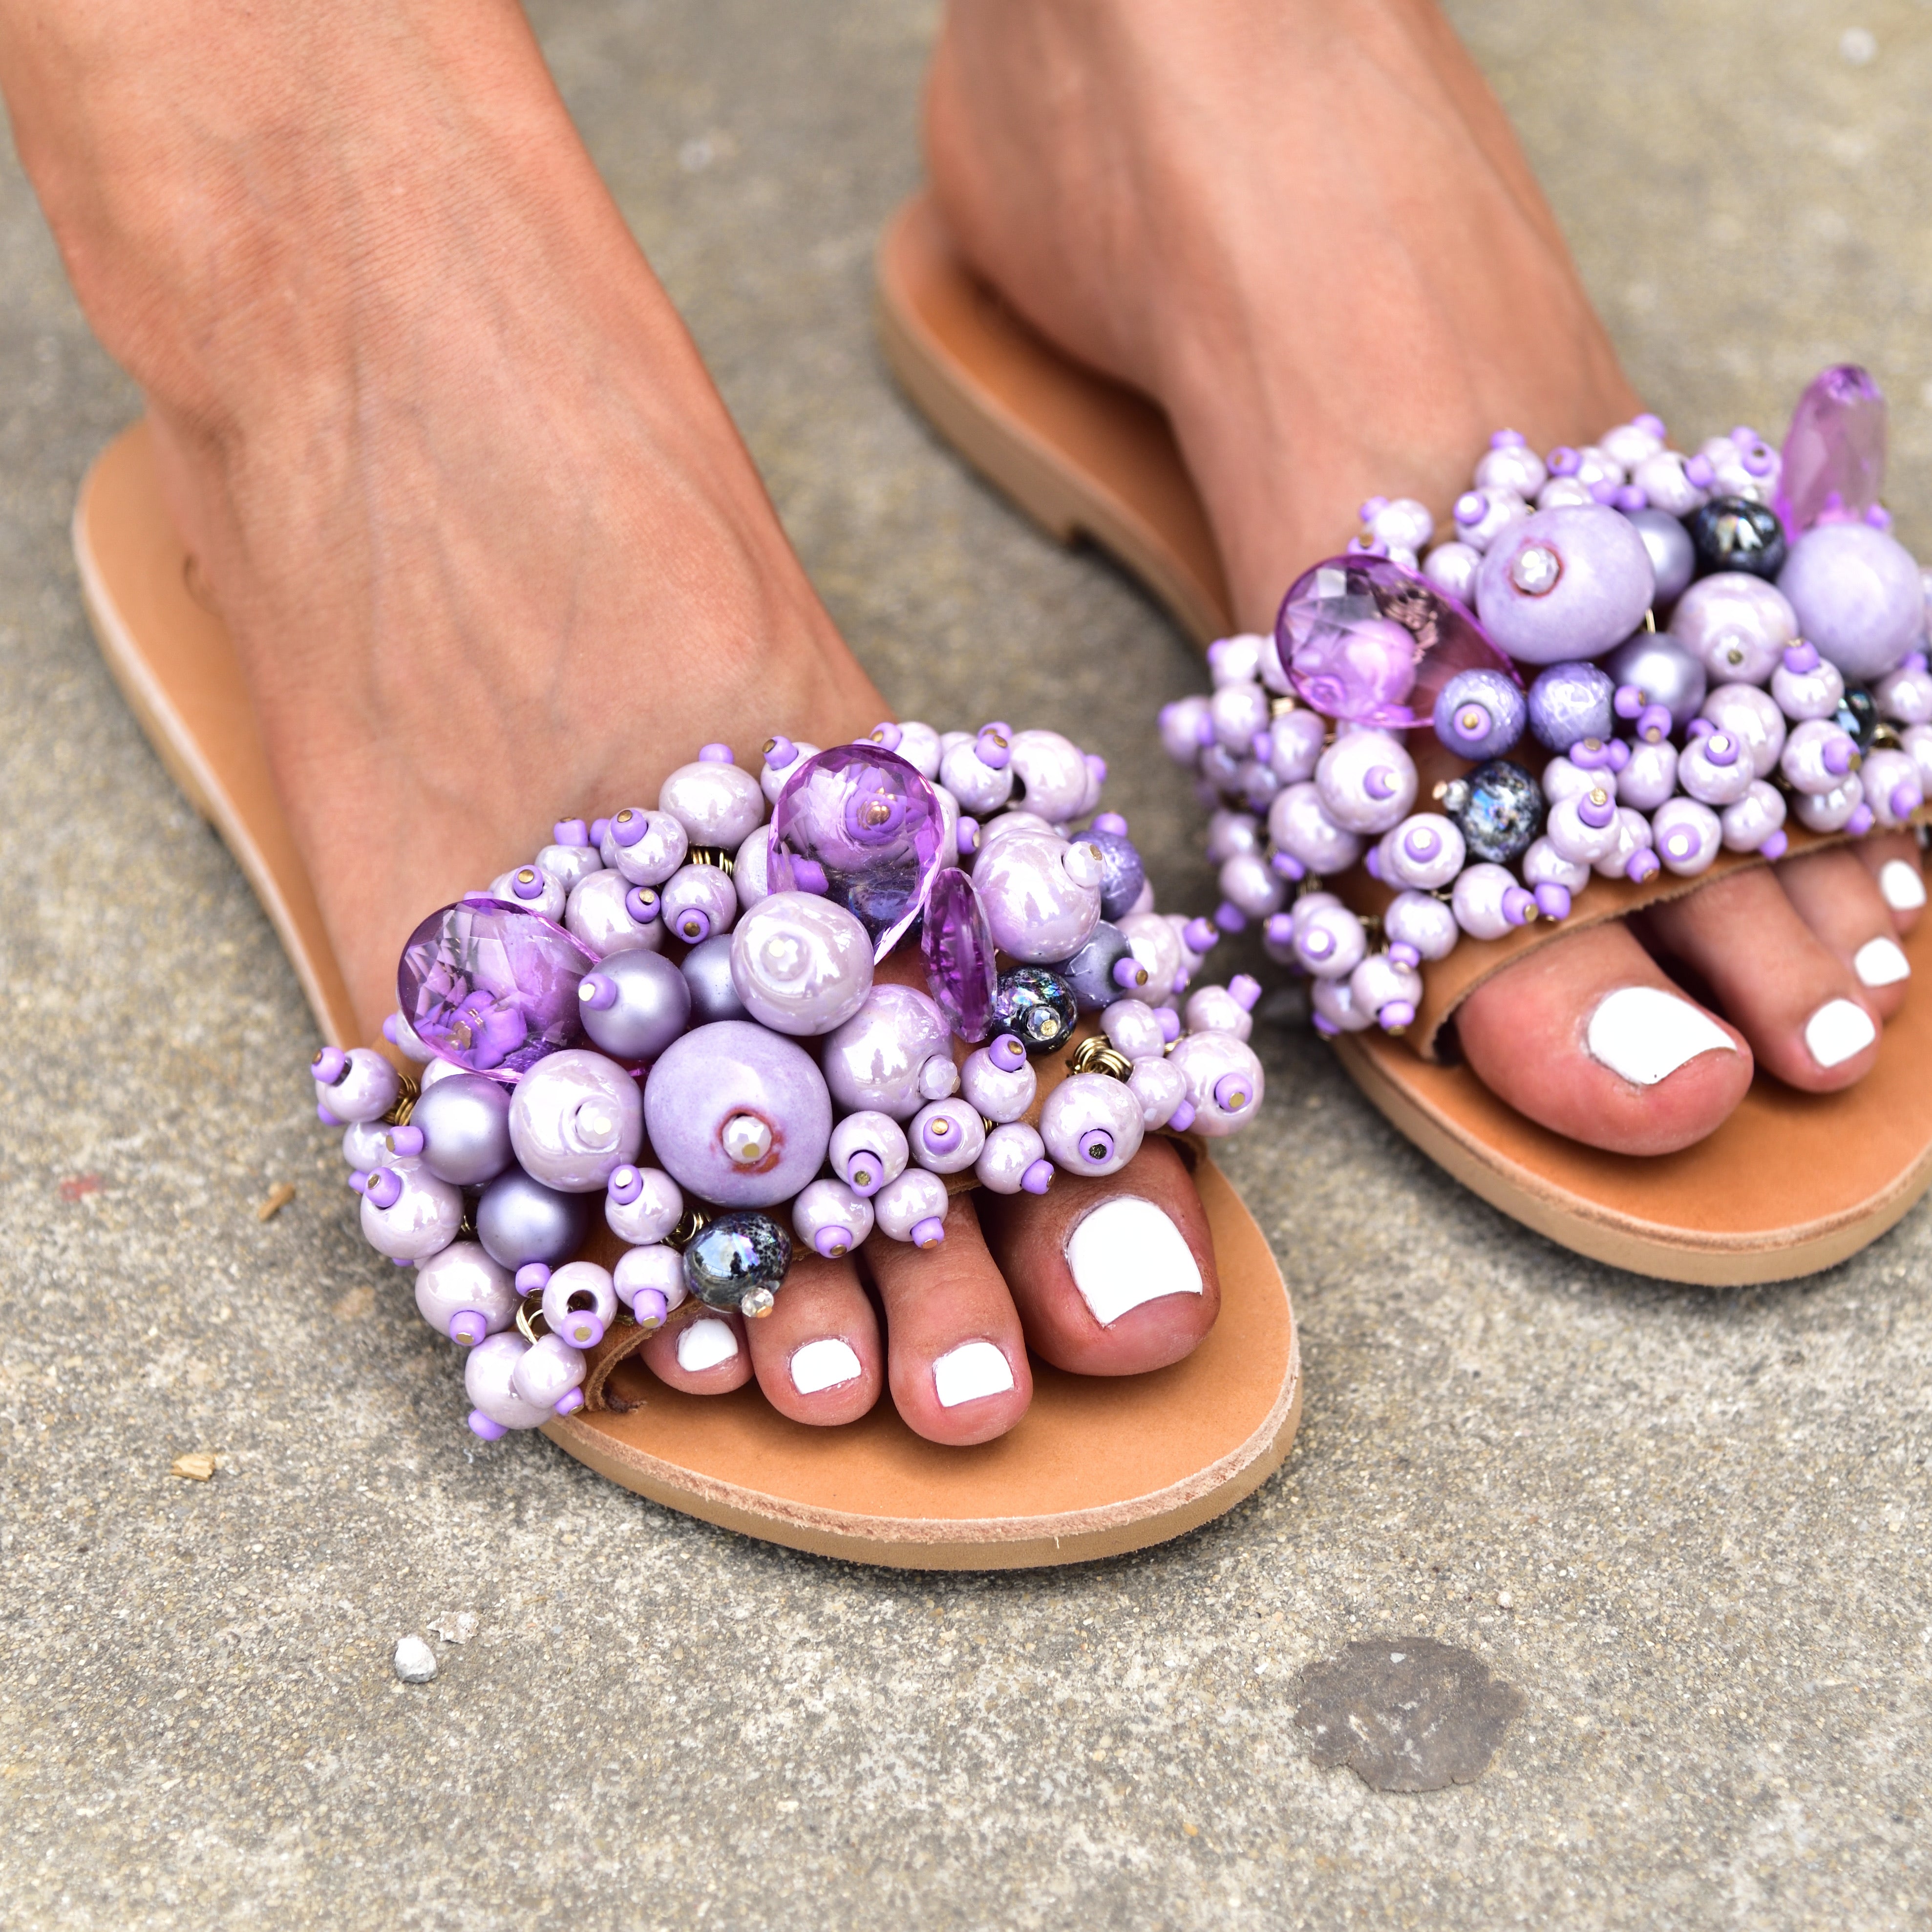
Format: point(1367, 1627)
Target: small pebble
point(198, 1467)
point(416, 1662)
point(280, 1196)
point(458, 1626)
point(1504, 1601)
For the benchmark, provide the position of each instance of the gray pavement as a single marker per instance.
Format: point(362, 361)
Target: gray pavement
point(1690, 1527)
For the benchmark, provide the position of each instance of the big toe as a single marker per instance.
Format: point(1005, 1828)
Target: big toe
point(1589, 1036)
point(1110, 1277)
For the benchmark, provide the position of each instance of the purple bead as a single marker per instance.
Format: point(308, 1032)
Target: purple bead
point(1571, 702)
point(1123, 875)
point(1037, 910)
point(492, 988)
point(1369, 642)
point(1834, 457)
point(875, 828)
point(801, 963)
point(463, 1125)
point(715, 802)
point(1664, 670)
point(738, 1115)
point(575, 1120)
point(1091, 1123)
point(1565, 584)
point(873, 1061)
point(1858, 595)
point(634, 1005)
point(957, 945)
point(519, 1220)
point(1479, 714)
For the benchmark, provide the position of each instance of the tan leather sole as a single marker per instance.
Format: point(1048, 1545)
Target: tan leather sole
point(1792, 1182)
point(1099, 1464)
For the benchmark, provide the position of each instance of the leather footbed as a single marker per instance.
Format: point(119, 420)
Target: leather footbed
point(1098, 1465)
point(1790, 1184)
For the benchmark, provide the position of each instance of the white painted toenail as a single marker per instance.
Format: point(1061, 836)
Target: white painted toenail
point(704, 1343)
point(826, 1363)
point(1645, 1034)
point(1881, 962)
point(1838, 1030)
point(1127, 1251)
point(966, 1373)
point(1902, 888)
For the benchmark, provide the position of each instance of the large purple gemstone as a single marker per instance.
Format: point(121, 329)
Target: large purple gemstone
point(1369, 642)
point(1834, 457)
point(492, 986)
point(958, 943)
point(868, 822)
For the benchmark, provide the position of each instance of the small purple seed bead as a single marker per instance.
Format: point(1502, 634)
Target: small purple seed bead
point(1232, 1093)
point(480, 1425)
point(1111, 822)
point(886, 735)
point(468, 1327)
point(1246, 990)
point(1182, 1118)
point(1006, 1053)
point(532, 1278)
point(1039, 1177)
point(1552, 900)
point(407, 1140)
point(625, 1185)
point(329, 1065)
point(384, 1187)
point(780, 753)
point(648, 1308)
point(715, 754)
point(599, 827)
point(928, 1233)
point(327, 1119)
point(1170, 1024)
point(1860, 822)
point(1197, 936)
point(570, 832)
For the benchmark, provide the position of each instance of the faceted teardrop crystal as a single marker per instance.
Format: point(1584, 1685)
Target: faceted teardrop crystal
point(1834, 455)
point(958, 943)
point(1369, 642)
point(859, 824)
point(492, 986)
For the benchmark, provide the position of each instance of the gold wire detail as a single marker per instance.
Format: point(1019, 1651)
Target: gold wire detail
point(525, 1318)
point(1281, 707)
point(710, 855)
point(1886, 738)
point(1650, 621)
point(1098, 1055)
point(408, 1094)
point(691, 1224)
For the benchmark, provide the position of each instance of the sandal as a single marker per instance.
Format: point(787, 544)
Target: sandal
point(1789, 1183)
point(1098, 1465)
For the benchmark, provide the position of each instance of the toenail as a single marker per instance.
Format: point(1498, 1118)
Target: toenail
point(1881, 962)
point(1903, 890)
point(705, 1343)
point(826, 1363)
point(966, 1373)
point(1644, 1034)
point(1839, 1029)
point(1126, 1252)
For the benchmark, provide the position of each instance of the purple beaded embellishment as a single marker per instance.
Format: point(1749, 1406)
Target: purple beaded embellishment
point(1833, 456)
point(492, 987)
point(958, 945)
point(859, 824)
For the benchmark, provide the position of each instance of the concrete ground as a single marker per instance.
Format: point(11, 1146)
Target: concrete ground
point(1689, 1526)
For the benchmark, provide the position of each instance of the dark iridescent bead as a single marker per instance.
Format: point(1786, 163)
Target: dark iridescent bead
point(1731, 533)
point(1497, 808)
point(1858, 714)
point(1122, 874)
point(1036, 1006)
point(738, 1261)
point(1091, 971)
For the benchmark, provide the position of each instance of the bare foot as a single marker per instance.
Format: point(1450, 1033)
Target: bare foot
point(1307, 231)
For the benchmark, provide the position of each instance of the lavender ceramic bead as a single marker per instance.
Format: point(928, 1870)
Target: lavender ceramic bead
point(1583, 828)
point(1488, 902)
point(1091, 1123)
point(1238, 712)
point(1904, 696)
point(1294, 743)
point(1631, 443)
point(1830, 811)
point(358, 1085)
point(464, 1122)
point(574, 1118)
point(1806, 687)
point(1039, 911)
point(920, 745)
point(801, 964)
point(830, 1219)
point(646, 846)
point(1917, 741)
point(1569, 703)
point(1218, 1009)
point(1011, 1153)
point(1300, 827)
point(751, 877)
point(1817, 756)
point(1753, 818)
point(905, 1204)
point(1564, 584)
point(365, 1145)
point(1423, 923)
point(1231, 833)
point(874, 1059)
point(1651, 775)
point(1001, 1095)
point(1329, 941)
point(715, 802)
point(1484, 516)
point(1251, 886)
point(867, 1149)
point(407, 1040)
point(1543, 865)
point(1562, 492)
point(1236, 660)
point(1633, 858)
point(1160, 1088)
point(1509, 463)
point(1737, 625)
point(1388, 989)
point(1688, 836)
point(597, 915)
point(1404, 523)
point(946, 1136)
point(1715, 768)
point(1157, 947)
point(1186, 725)
point(570, 865)
point(1224, 1082)
point(530, 890)
point(1750, 715)
point(1451, 567)
point(654, 1269)
point(1365, 781)
point(1018, 819)
point(1669, 491)
point(462, 1294)
point(1893, 788)
point(1858, 596)
point(1052, 770)
point(1334, 1008)
point(1133, 1028)
point(1663, 671)
point(579, 1303)
point(980, 788)
point(738, 1115)
point(642, 1204)
point(1479, 714)
point(1562, 779)
point(780, 759)
point(547, 1375)
point(1673, 557)
point(699, 903)
point(422, 1218)
point(487, 1380)
point(1424, 853)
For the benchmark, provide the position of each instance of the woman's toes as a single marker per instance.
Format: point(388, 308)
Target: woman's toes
point(1842, 900)
point(1808, 1019)
point(817, 1355)
point(1588, 1037)
point(956, 1357)
point(1110, 1277)
point(1894, 860)
point(703, 1353)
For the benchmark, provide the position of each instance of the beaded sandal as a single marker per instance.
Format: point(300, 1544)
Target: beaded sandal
point(1791, 1182)
point(1098, 1464)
